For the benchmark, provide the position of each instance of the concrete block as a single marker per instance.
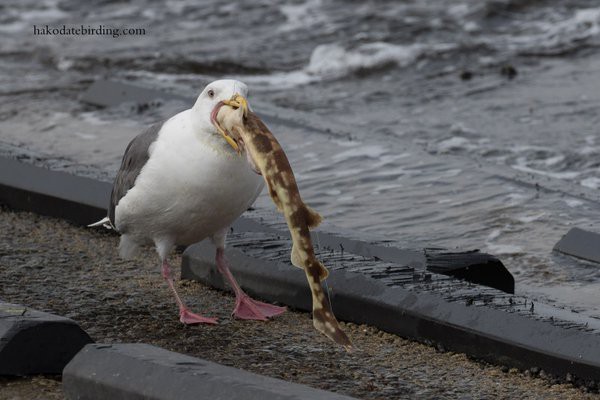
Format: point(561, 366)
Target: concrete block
point(35, 342)
point(581, 244)
point(141, 371)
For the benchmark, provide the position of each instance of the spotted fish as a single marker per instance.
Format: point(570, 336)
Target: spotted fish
point(266, 156)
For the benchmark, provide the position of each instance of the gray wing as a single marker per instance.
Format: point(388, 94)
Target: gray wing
point(135, 157)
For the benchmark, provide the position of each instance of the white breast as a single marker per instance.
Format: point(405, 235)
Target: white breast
point(192, 186)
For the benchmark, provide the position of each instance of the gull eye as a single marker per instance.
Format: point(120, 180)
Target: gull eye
point(211, 93)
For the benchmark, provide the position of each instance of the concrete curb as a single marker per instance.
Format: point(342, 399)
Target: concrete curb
point(56, 194)
point(142, 371)
point(35, 342)
point(498, 335)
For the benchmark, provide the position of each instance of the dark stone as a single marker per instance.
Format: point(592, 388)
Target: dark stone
point(466, 75)
point(581, 244)
point(508, 71)
point(35, 342)
point(141, 371)
point(472, 266)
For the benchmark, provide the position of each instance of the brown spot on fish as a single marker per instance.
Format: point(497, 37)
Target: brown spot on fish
point(281, 161)
point(297, 218)
point(263, 143)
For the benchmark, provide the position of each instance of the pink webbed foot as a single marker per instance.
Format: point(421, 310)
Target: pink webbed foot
point(189, 318)
point(248, 308)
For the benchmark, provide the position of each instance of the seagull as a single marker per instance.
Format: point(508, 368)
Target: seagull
point(181, 181)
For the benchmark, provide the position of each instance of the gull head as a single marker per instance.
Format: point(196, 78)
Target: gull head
point(214, 95)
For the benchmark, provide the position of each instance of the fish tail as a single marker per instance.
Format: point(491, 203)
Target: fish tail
point(325, 322)
point(313, 218)
point(295, 258)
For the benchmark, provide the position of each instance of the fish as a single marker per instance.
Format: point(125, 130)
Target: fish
point(233, 119)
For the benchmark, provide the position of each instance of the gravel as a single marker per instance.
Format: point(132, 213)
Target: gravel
point(53, 266)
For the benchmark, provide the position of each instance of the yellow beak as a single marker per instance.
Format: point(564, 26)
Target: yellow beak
point(228, 138)
point(237, 101)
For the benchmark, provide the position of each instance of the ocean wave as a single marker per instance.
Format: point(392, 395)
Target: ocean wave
point(333, 61)
point(302, 16)
point(555, 35)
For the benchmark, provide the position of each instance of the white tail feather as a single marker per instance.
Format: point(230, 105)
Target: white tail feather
point(105, 222)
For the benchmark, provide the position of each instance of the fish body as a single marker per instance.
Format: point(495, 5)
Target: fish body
point(267, 157)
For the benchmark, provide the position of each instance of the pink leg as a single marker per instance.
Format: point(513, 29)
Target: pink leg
point(185, 315)
point(245, 307)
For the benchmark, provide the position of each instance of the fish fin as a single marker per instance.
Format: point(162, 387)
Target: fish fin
point(323, 272)
point(295, 258)
point(297, 262)
point(313, 218)
point(251, 161)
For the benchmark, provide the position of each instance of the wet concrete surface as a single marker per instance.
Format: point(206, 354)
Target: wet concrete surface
point(53, 266)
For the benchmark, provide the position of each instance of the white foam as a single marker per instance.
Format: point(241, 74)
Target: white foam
point(588, 150)
point(494, 234)
point(302, 16)
point(369, 151)
point(591, 182)
point(450, 173)
point(16, 26)
point(583, 24)
point(574, 203)
point(554, 160)
point(333, 60)
point(386, 188)
point(556, 175)
point(459, 10)
point(44, 15)
point(454, 143)
point(64, 64)
point(530, 218)
point(279, 80)
point(85, 136)
point(514, 199)
point(495, 248)
point(346, 198)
